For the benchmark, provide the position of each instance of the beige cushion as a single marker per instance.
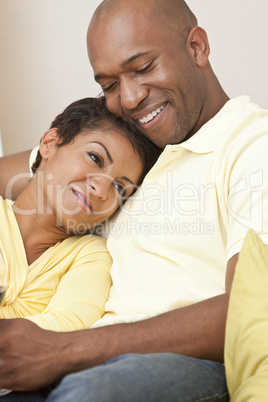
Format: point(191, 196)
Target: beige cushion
point(246, 343)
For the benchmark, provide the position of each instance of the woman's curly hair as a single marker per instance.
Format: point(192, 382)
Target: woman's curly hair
point(92, 113)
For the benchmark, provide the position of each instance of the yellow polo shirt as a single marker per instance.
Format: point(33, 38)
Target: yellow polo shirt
point(171, 241)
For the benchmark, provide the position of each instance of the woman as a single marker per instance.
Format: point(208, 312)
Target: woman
point(88, 163)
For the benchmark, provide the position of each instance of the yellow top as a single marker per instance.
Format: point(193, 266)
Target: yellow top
point(64, 289)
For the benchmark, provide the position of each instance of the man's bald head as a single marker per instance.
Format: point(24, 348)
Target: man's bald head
point(162, 14)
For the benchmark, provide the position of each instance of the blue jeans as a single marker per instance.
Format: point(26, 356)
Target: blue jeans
point(137, 378)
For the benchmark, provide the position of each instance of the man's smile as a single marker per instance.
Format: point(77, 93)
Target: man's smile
point(152, 115)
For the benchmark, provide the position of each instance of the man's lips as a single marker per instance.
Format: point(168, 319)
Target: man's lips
point(152, 115)
point(83, 201)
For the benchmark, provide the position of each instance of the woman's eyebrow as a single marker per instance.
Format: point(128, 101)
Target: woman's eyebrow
point(106, 150)
point(127, 179)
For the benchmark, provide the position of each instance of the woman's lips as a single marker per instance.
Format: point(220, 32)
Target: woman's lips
point(82, 201)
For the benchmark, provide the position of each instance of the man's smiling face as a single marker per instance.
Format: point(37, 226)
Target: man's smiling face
point(146, 68)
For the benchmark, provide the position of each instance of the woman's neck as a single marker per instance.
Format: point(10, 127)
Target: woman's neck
point(37, 223)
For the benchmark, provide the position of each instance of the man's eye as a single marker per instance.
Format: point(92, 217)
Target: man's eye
point(109, 88)
point(146, 68)
point(96, 158)
point(121, 189)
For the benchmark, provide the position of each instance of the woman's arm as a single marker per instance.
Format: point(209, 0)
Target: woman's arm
point(82, 291)
point(14, 175)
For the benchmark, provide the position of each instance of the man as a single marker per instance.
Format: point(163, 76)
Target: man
point(176, 243)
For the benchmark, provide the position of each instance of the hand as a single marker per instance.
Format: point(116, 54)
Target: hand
point(29, 355)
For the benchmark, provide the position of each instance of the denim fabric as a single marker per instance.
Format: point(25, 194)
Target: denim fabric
point(143, 378)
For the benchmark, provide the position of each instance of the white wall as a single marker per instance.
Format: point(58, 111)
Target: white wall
point(44, 65)
point(238, 33)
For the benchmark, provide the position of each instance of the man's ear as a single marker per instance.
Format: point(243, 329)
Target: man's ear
point(199, 46)
point(48, 143)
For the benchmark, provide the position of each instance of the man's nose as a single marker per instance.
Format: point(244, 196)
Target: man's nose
point(132, 93)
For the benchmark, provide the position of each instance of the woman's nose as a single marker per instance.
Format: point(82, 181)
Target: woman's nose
point(99, 185)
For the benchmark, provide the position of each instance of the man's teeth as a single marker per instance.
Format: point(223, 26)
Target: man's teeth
point(150, 116)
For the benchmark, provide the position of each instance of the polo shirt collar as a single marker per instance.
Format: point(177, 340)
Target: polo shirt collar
point(207, 139)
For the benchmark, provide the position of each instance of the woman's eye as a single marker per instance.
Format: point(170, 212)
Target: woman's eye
point(121, 189)
point(96, 158)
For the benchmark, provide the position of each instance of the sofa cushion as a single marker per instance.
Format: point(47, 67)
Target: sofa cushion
point(246, 341)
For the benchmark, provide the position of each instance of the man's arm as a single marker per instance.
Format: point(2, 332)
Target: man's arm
point(14, 174)
point(31, 357)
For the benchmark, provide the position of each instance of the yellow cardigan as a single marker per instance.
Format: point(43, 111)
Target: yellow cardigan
point(64, 289)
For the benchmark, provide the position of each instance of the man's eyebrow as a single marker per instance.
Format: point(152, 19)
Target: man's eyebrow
point(133, 58)
point(123, 64)
point(106, 151)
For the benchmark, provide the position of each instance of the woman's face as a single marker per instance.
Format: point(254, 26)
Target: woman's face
point(87, 180)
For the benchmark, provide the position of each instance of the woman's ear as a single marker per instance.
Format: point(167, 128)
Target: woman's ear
point(48, 143)
point(199, 45)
